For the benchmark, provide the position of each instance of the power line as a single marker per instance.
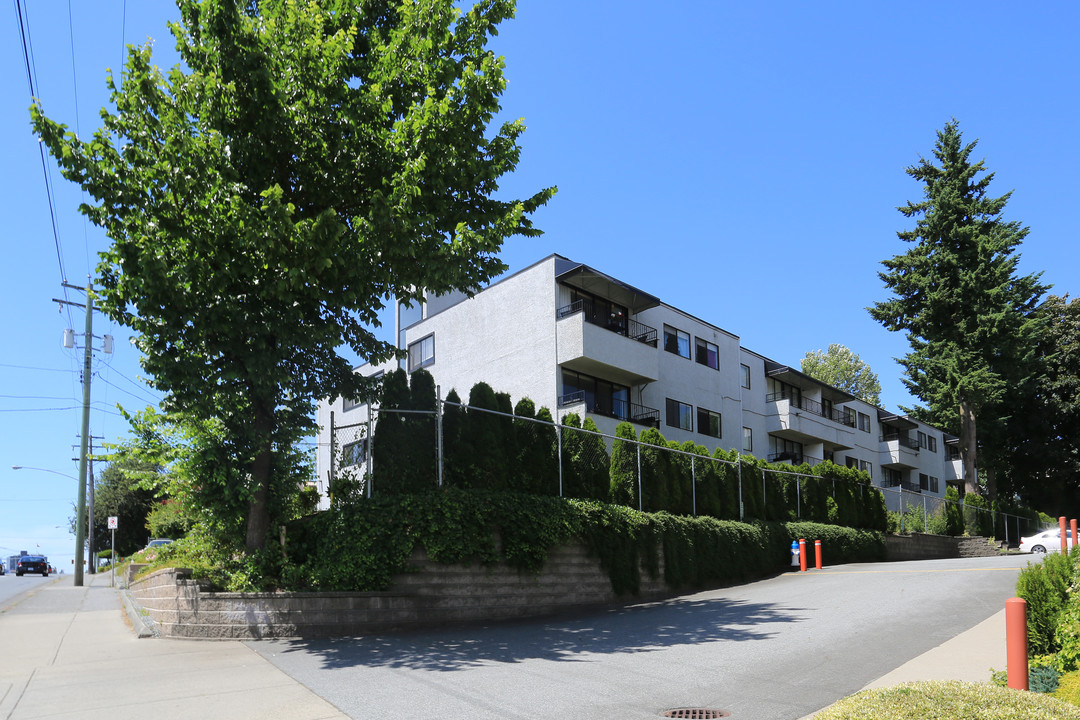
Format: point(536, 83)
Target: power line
point(31, 367)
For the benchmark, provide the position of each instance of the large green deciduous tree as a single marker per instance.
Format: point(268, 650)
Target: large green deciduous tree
point(840, 367)
point(308, 162)
point(968, 314)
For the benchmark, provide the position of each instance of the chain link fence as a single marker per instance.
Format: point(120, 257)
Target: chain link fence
point(647, 473)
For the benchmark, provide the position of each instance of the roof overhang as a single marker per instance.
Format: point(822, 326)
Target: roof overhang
point(597, 283)
point(901, 422)
point(794, 377)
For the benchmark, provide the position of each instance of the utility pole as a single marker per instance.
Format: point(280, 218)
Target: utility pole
point(88, 337)
point(91, 566)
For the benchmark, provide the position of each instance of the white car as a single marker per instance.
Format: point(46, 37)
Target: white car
point(1044, 542)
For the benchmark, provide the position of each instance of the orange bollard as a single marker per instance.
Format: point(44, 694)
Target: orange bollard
point(1016, 642)
point(802, 555)
point(817, 554)
point(1064, 537)
point(1072, 531)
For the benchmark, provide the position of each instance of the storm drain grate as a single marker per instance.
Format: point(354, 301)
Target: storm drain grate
point(695, 713)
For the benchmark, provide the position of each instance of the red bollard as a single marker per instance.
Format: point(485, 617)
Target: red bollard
point(817, 554)
point(1064, 537)
point(1016, 642)
point(1072, 530)
point(802, 555)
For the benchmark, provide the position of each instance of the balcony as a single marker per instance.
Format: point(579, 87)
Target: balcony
point(794, 458)
point(611, 346)
point(615, 322)
point(905, 441)
point(613, 408)
point(898, 451)
point(793, 417)
point(842, 416)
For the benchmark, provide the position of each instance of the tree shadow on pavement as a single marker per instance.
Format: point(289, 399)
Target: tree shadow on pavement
point(632, 629)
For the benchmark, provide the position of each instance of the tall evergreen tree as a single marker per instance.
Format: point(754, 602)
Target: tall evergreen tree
point(956, 292)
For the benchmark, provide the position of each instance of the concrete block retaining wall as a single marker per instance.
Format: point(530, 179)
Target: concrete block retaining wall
point(918, 546)
point(434, 595)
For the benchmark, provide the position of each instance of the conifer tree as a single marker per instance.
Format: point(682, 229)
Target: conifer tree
point(956, 292)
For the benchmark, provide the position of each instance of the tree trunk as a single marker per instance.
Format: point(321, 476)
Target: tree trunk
point(967, 447)
point(259, 507)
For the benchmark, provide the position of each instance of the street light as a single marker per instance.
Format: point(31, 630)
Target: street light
point(80, 523)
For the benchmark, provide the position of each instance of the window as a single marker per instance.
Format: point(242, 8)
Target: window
point(851, 462)
point(922, 440)
point(924, 480)
point(864, 422)
point(679, 415)
point(600, 396)
point(747, 439)
point(706, 353)
point(422, 353)
point(676, 341)
point(354, 453)
point(745, 376)
point(933, 484)
point(952, 452)
point(892, 477)
point(931, 443)
point(784, 450)
point(868, 468)
point(708, 422)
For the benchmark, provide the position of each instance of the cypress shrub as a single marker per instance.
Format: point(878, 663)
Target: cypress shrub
point(751, 487)
point(708, 482)
point(482, 441)
point(592, 463)
point(546, 453)
point(624, 468)
point(419, 451)
point(656, 472)
point(388, 458)
point(534, 468)
point(572, 485)
point(954, 512)
point(453, 460)
point(729, 485)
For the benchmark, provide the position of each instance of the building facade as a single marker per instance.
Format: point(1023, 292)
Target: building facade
point(576, 340)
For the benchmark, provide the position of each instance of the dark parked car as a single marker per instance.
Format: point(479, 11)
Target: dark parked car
point(32, 564)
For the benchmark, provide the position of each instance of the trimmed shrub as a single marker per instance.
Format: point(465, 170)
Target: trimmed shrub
point(1045, 587)
point(954, 512)
point(624, 467)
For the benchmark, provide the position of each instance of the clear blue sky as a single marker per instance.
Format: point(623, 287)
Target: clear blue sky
point(741, 161)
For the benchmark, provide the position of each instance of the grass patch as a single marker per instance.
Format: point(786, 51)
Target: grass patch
point(951, 700)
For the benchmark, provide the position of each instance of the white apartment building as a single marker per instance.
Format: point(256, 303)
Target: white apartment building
point(575, 340)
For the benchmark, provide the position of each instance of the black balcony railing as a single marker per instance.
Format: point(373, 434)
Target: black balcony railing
point(905, 440)
point(794, 458)
point(842, 416)
point(903, 484)
point(614, 321)
point(613, 408)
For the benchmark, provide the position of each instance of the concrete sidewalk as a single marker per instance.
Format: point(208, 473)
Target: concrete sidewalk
point(71, 652)
point(968, 657)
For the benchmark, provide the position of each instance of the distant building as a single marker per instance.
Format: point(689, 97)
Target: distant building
point(576, 340)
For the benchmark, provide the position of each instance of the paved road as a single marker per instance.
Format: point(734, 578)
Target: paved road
point(778, 649)
point(12, 586)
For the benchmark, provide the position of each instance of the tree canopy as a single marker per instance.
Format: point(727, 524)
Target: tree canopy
point(956, 292)
point(840, 367)
point(307, 163)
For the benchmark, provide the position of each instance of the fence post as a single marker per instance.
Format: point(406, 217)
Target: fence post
point(639, 505)
point(558, 442)
point(764, 505)
point(438, 437)
point(925, 520)
point(738, 473)
point(369, 445)
point(330, 474)
point(1064, 537)
point(798, 496)
point(693, 486)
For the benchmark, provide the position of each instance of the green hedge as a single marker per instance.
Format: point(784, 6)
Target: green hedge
point(362, 546)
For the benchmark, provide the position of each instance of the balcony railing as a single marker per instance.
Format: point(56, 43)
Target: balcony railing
point(905, 440)
point(616, 322)
point(842, 416)
point(902, 484)
point(794, 458)
point(610, 407)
